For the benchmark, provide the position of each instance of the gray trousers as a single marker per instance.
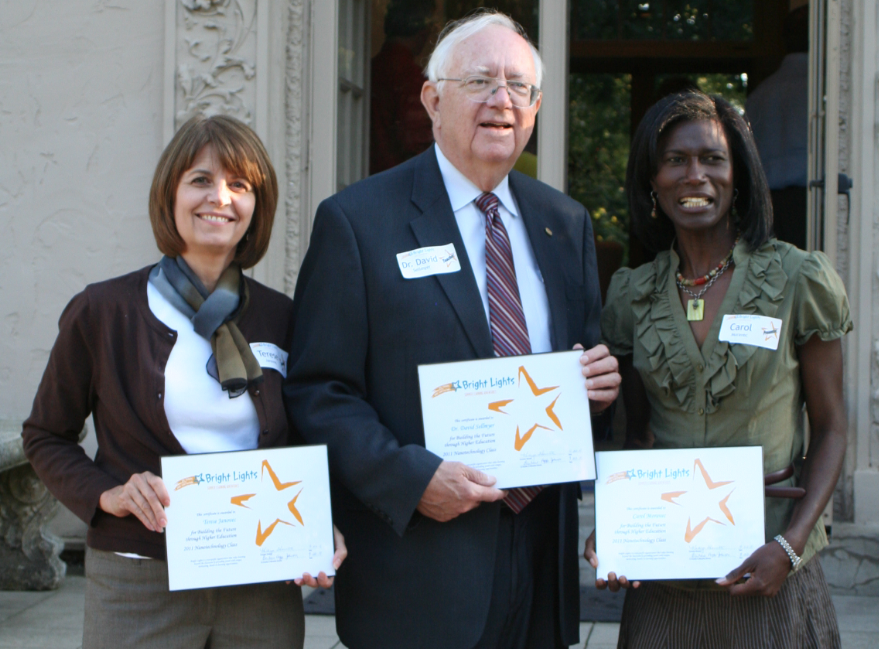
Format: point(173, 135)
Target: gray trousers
point(127, 604)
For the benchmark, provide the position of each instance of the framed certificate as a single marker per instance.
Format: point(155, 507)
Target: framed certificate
point(692, 513)
point(522, 419)
point(248, 517)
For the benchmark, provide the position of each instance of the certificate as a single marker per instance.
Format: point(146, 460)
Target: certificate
point(247, 517)
point(522, 419)
point(693, 513)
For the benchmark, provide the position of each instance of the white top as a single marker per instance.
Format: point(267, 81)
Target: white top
point(201, 415)
point(471, 223)
point(778, 110)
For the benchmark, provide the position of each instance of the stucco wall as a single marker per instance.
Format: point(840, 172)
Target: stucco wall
point(81, 130)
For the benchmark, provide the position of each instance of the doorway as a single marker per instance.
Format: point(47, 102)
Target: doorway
point(624, 56)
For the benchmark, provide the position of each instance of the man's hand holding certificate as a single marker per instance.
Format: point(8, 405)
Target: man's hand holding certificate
point(523, 419)
point(248, 517)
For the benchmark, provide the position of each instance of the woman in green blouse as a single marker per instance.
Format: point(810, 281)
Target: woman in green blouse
point(697, 195)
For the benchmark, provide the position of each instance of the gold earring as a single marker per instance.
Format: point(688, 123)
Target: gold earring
point(653, 214)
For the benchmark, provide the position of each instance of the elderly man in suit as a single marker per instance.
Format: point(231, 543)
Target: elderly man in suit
point(438, 557)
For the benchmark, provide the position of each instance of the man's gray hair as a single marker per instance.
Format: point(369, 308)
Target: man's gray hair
point(457, 31)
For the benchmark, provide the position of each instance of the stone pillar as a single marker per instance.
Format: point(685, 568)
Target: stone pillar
point(28, 553)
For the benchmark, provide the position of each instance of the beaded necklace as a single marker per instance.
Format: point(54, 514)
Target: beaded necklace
point(696, 306)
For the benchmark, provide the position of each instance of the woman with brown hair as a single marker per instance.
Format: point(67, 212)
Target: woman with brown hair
point(162, 360)
point(698, 196)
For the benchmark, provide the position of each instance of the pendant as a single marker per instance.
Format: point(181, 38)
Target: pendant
point(695, 310)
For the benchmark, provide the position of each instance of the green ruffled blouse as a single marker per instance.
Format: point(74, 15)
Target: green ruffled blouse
point(723, 394)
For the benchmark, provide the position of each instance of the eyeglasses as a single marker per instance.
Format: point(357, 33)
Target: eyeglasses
point(481, 89)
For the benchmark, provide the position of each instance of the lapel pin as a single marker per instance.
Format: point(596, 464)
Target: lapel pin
point(548, 232)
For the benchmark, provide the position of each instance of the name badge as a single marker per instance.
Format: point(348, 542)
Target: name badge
point(433, 260)
point(270, 357)
point(757, 330)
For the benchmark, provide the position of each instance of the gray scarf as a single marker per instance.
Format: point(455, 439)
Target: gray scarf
point(214, 316)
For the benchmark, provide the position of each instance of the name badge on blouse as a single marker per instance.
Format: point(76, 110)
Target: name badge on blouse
point(433, 260)
point(757, 330)
point(270, 357)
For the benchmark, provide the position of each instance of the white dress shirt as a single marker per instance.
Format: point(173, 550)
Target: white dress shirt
point(471, 223)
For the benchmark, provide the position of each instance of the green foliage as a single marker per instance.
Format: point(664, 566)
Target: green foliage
point(691, 20)
point(732, 87)
point(596, 19)
point(598, 150)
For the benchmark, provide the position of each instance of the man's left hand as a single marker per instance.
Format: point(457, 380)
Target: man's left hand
point(602, 374)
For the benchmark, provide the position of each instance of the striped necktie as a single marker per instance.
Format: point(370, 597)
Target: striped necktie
point(509, 331)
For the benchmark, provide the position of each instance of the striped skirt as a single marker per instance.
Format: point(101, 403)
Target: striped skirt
point(800, 616)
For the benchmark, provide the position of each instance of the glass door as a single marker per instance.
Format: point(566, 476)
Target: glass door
point(352, 108)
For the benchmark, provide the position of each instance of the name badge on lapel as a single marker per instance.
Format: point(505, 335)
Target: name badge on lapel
point(271, 357)
point(433, 260)
point(757, 330)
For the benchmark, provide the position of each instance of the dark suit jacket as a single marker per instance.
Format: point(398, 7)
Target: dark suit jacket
point(361, 331)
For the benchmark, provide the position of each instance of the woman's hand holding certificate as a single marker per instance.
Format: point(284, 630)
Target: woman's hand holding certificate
point(692, 513)
point(144, 496)
point(249, 517)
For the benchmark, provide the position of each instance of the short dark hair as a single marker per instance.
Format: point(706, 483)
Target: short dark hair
point(753, 204)
point(240, 151)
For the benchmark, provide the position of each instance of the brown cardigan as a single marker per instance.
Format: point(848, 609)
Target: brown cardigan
point(109, 361)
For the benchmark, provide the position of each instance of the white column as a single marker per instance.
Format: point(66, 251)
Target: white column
point(864, 215)
point(552, 137)
point(324, 66)
point(269, 122)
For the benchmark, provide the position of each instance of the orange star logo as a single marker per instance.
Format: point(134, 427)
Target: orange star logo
point(536, 392)
point(262, 535)
point(188, 482)
point(442, 389)
point(702, 499)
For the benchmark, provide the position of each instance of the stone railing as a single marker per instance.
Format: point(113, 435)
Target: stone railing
point(28, 553)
